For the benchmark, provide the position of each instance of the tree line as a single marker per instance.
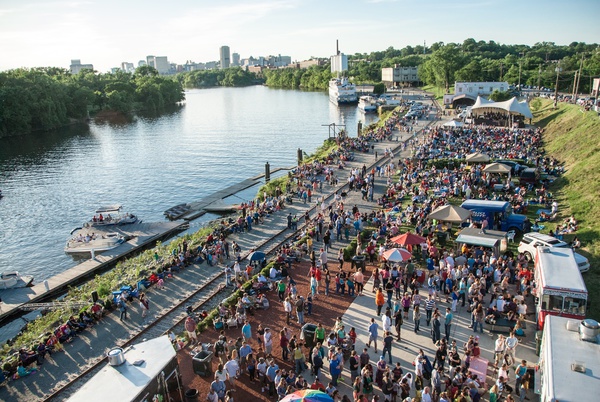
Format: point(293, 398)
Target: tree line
point(442, 64)
point(48, 97)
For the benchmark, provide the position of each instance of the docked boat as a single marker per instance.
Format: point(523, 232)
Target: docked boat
point(341, 91)
point(111, 215)
point(177, 211)
point(12, 280)
point(97, 243)
point(367, 104)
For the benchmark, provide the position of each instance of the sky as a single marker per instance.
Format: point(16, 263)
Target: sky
point(107, 32)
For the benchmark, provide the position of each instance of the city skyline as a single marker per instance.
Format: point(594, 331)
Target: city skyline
point(108, 33)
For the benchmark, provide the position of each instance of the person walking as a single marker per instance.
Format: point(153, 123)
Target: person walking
point(429, 306)
point(373, 329)
point(388, 339)
point(435, 329)
point(122, 309)
point(144, 305)
point(398, 321)
point(448, 323)
point(379, 300)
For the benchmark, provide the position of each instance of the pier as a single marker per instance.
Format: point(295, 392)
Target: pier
point(143, 234)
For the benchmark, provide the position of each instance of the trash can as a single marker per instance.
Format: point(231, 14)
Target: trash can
point(191, 395)
point(359, 261)
point(308, 335)
point(538, 342)
point(201, 363)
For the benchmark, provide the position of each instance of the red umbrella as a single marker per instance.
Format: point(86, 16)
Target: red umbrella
point(408, 238)
point(396, 255)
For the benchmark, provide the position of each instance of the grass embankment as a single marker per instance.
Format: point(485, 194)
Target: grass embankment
point(573, 137)
point(438, 92)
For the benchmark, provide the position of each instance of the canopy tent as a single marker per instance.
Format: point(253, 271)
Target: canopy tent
point(477, 157)
point(497, 168)
point(450, 213)
point(408, 238)
point(453, 123)
point(511, 106)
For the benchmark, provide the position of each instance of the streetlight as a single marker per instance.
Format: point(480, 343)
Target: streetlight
point(521, 54)
point(558, 70)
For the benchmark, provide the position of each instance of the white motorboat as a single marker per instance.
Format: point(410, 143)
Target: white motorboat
point(341, 91)
point(86, 244)
point(11, 280)
point(367, 104)
point(111, 215)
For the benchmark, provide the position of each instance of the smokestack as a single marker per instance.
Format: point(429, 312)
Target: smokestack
point(337, 47)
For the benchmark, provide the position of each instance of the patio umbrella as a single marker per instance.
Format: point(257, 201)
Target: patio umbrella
point(408, 238)
point(497, 168)
point(397, 255)
point(307, 395)
point(450, 213)
point(256, 256)
point(477, 157)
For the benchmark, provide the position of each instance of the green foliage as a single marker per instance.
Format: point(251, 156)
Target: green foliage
point(499, 96)
point(229, 77)
point(379, 88)
point(48, 98)
point(312, 78)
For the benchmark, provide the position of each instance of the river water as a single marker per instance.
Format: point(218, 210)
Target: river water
point(52, 182)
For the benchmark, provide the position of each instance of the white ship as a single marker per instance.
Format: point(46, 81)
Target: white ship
point(367, 104)
point(341, 91)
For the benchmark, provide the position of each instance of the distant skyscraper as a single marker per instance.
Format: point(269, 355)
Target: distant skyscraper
point(150, 61)
point(76, 66)
point(225, 58)
point(235, 59)
point(161, 64)
point(142, 63)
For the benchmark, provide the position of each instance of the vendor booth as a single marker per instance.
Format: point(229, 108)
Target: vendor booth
point(492, 239)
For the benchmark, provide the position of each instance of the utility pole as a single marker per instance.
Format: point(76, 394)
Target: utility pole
point(556, 86)
point(501, 67)
point(574, 82)
point(579, 76)
point(520, 62)
point(539, 77)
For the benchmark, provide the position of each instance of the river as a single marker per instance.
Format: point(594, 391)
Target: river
point(52, 182)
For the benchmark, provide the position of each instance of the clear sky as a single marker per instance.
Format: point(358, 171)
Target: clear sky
point(108, 32)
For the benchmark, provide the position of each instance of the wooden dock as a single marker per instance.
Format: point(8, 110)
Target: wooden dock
point(142, 234)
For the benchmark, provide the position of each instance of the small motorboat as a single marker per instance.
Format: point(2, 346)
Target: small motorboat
point(93, 243)
point(12, 280)
point(177, 211)
point(110, 215)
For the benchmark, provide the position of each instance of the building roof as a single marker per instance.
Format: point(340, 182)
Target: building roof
point(560, 269)
point(474, 236)
point(512, 106)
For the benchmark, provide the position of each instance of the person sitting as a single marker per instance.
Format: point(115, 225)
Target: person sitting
point(27, 357)
point(97, 311)
point(492, 315)
point(23, 372)
point(575, 243)
point(76, 325)
point(263, 302)
point(274, 274)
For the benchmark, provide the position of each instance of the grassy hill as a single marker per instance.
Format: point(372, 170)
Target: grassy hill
point(573, 137)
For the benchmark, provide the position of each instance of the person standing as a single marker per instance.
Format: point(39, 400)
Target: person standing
point(190, 327)
point(283, 343)
point(388, 339)
point(373, 329)
point(268, 341)
point(379, 300)
point(247, 331)
point(448, 323)
point(429, 306)
point(417, 318)
point(511, 346)
point(300, 310)
point(122, 309)
point(436, 328)
point(144, 305)
point(398, 321)
point(335, 369)
point(287, 308)
point(354, 365)
point(499, 347)
point(386, 321)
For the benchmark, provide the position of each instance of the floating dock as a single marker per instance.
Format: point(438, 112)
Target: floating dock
point(142, 235)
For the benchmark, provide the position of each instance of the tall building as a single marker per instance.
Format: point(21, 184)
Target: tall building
point(235, 59)
point(224, 56)
point(161, 64)
point(76, 66)
point(150, 61)
point(127, 67)
point(142, 63)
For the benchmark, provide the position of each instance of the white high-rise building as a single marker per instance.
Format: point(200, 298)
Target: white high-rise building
point(76, 66)
point(235, 59)
point(224, 56)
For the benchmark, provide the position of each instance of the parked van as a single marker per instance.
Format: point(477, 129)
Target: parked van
point(499, 215)
point(529, 176)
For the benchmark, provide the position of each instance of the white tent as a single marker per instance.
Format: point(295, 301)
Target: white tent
point(453, 123)
point(511, 106)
